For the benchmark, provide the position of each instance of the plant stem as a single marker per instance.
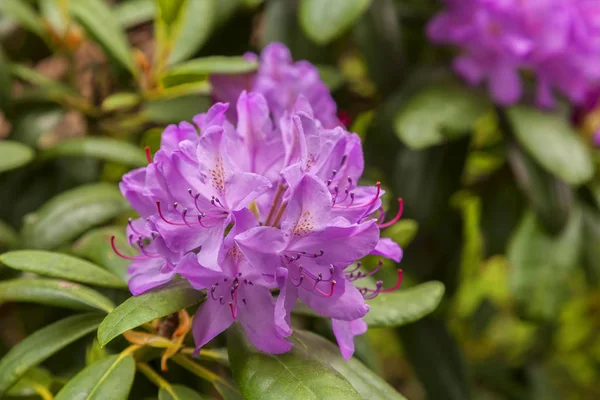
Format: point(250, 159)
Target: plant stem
point(195, 368)
point(154, 377)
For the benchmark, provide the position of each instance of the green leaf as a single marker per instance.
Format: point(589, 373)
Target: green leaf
point(170, 10)
point(34, 123)
point(178, 392)
point(8, 236)
point(42, 344)
point(102, 25)
point(24, 14)
point(34, 380)
point(366, 382)
point(14, 155)
point(71, 213)
point(198, 21)
point(324, 21)
point(541, 264)
point(57, 265)
point(404, 306)
point(107, 149)
point(95, 246)
point(298, 374)
point(402, 232)
point(109, 378)
point(199, 68)
point(138, 310)
point(331, 76)
point(135, 12)
point(5, 82)
point(52, 14)
point(175, 110)
point(438, 113)
point(120, 101)
point(55, 293)
point(555, 145)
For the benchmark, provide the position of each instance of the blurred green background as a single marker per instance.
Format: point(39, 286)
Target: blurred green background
point(501, 205)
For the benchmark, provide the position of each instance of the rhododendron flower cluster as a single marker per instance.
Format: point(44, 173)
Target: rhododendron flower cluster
point(558, 41)
point(250, 209)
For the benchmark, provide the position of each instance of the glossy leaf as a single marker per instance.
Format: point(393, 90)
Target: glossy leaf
point(178, 392)
point(109, 378)
point(57, 265)
point(95, 246)
point(103, 148)
point(14, 155)
point(404, 306)
point(34, 381)
point(298, 374)
point(146, 307)
point(541, 264)
point(554, 144)
point(54, 293)
point(366, 382)
point(134, 12)
point(324, 21)
point(42, 344)
point(439, 113)
point(101, 24)
point(24, 14)
point(198, 20)
point(199, 68)
point(71, 213)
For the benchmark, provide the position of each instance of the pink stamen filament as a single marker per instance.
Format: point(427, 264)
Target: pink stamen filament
point(396, 218)
point(396, 286)
point(232, 310)
point(370, 203)
point(148, 154)
point(117, 252)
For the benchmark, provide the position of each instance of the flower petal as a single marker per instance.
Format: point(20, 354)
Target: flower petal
point(345, 331)
point(387, 248)
point(211, 319)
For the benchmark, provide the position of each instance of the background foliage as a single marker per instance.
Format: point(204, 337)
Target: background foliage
point(503, 208)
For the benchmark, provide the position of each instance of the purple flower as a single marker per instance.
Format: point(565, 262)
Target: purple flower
point(270, 203)
point(280, 80)
point(557, 40)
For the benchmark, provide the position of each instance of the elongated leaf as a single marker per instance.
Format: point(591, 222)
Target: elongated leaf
point(175, 110)
point(198, 20)
point(134, 12)
point(553, 143)
point(324, 21)
point(146, 307)
point(365, 381)
point(34, 380)
point(42, 344)
point(298, 374)
point(14, 155)
point(102, 148)
point(199, 68)
point(33, 124)
point(101, 24)
point(120, 101)
point(109, 378)
point(71, 213)
point(57, 265)
point(51, 13)
point(541, 263)
point(24, 14)
point(404, 306)
point(95, 246)
point(178, 392)
point(55, 293)
point(438, 113)
point(8, 236)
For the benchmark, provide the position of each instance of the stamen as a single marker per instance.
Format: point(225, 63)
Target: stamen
point(130, 222)
point(358, 264)
point(160, 213)
point(396, 218)
point(244, 301)
point(333, 283)
point(232, 310)
point(117, 252)
point(148, 154)
point(212, 291)
point(378, 184)
point(276, 199)
point(299, 281)
point(396, 286)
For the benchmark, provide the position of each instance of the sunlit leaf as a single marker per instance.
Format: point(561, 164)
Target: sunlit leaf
point(24, 14)
point(102, 148)
point(134, 12)
point(14, 155)
point(198, 20)
point(57, 265)
point(199, 68)
point(324, 21)
point(42, 344)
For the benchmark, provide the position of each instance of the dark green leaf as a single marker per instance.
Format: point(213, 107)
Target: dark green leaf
point(42, 344)
point(71, 213)
point(552, 141)
point(102, 25)
point(591, 221)
point(365, 381)
point(178, 392)
point(199, 68)
point(14, 155)
point(35, 380)
point(32, 125)
point(5, 82)
point(198, 20)
point(109, 378)
point(225, 10)
point(404, 306)
point(436, 359)
point(298, 374)
point(324, 21)
point(134, 12)
point(146, 307)
point(57, 265)
point(175, 110)
point(439, 113)
point(24, 14)
point(55, 293)
point(103, 148)
point(95, 246)
point(8, 236)
point(541, 264)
